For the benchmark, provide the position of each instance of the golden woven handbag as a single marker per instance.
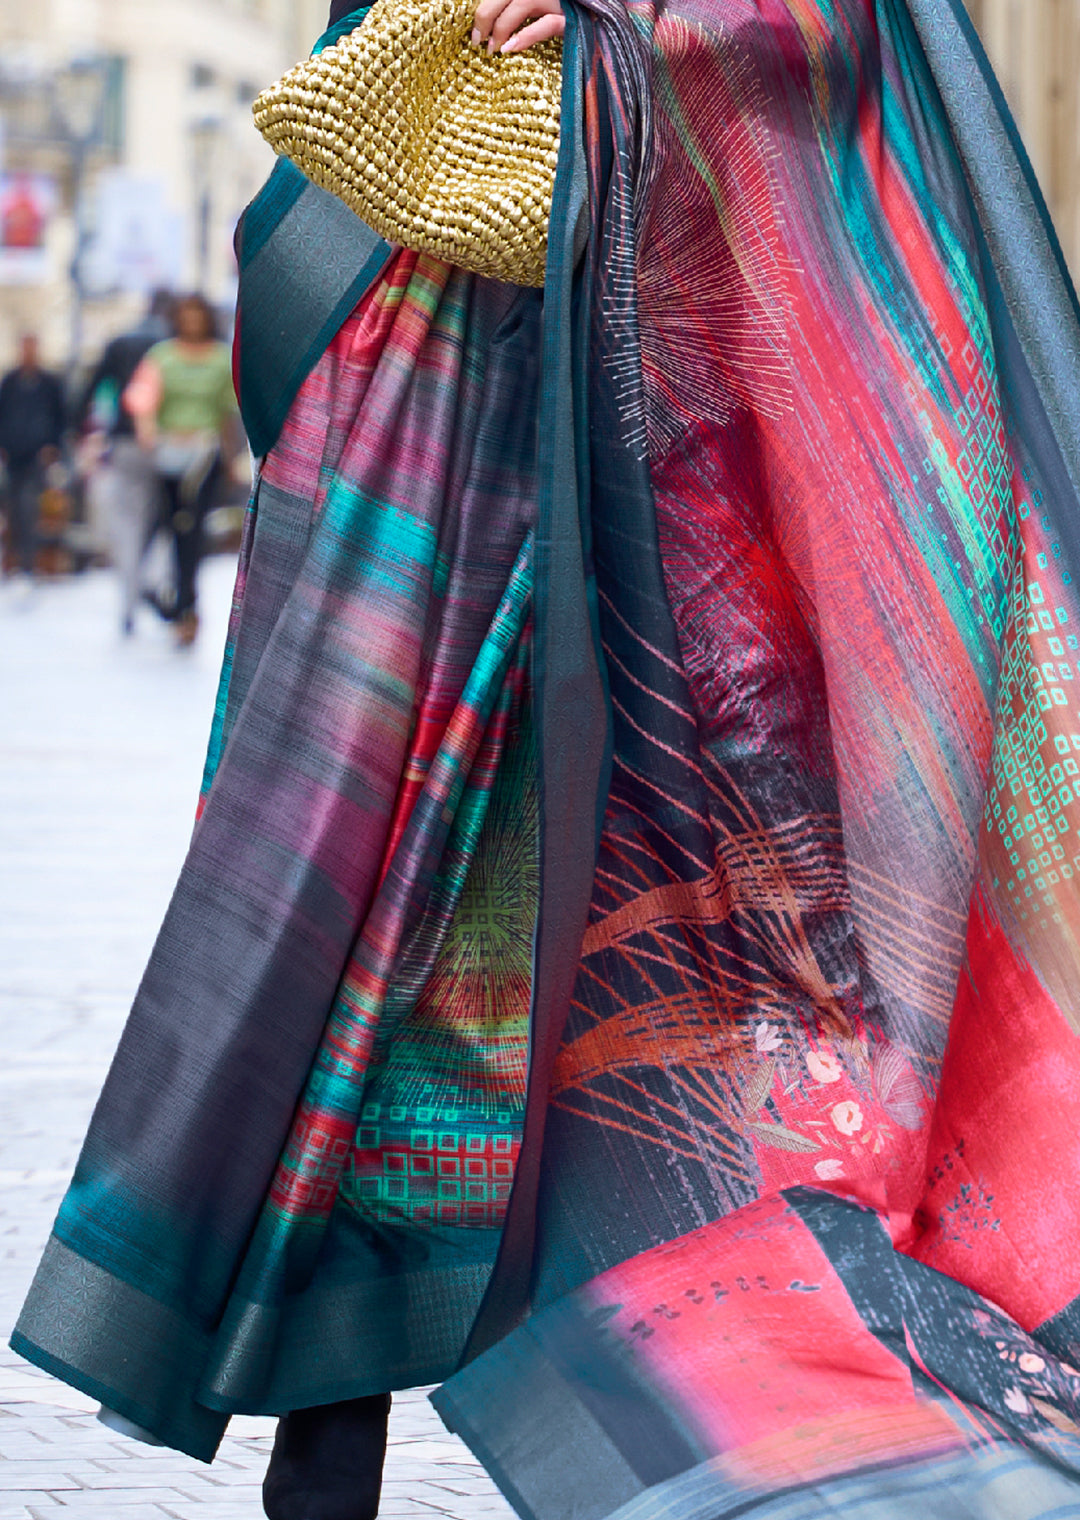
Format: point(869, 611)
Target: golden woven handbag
point(438, 145)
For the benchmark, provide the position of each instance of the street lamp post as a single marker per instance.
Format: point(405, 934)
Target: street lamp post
point(205, 131)
point(81, 91)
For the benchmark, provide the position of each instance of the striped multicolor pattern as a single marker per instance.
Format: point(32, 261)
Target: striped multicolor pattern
point(802, 1238)
point(300, 1164)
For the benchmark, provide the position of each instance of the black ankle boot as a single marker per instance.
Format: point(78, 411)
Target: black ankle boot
point(327, 1462)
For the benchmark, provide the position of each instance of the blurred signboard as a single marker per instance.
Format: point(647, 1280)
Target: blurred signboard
point(27, 204)
point(138, 240)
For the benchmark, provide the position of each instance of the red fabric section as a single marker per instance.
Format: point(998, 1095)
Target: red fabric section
point(1006, 1131)
point(750, 1328)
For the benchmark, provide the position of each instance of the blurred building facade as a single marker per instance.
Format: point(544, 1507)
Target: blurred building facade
point(127, 150)
point(1035, 47)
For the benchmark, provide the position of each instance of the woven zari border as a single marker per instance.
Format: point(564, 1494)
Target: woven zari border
point(436, 144)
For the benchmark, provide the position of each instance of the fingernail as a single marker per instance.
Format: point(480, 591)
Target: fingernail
point(475, 39)
point(508, 47)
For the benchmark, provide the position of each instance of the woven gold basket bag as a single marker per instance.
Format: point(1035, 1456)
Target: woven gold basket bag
point(436, 144)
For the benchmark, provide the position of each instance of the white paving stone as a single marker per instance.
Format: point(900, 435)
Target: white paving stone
point(101, 748)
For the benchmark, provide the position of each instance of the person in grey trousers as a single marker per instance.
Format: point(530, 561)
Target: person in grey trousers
point(127, 484)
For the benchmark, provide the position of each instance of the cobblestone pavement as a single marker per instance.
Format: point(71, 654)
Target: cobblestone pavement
point(101, 744)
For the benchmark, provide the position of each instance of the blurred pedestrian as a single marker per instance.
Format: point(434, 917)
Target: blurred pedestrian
point(32, 418)
point(184, 409)
point(126, 482)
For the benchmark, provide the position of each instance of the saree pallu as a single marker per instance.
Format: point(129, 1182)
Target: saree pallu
point(795, 1224)
point(294, 1182)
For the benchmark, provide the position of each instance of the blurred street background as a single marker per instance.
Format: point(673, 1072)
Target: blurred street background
point(126, 156)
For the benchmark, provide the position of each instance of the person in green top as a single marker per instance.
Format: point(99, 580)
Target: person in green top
point(184, 407)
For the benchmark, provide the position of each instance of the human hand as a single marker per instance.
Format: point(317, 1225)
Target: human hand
point(497, 23)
